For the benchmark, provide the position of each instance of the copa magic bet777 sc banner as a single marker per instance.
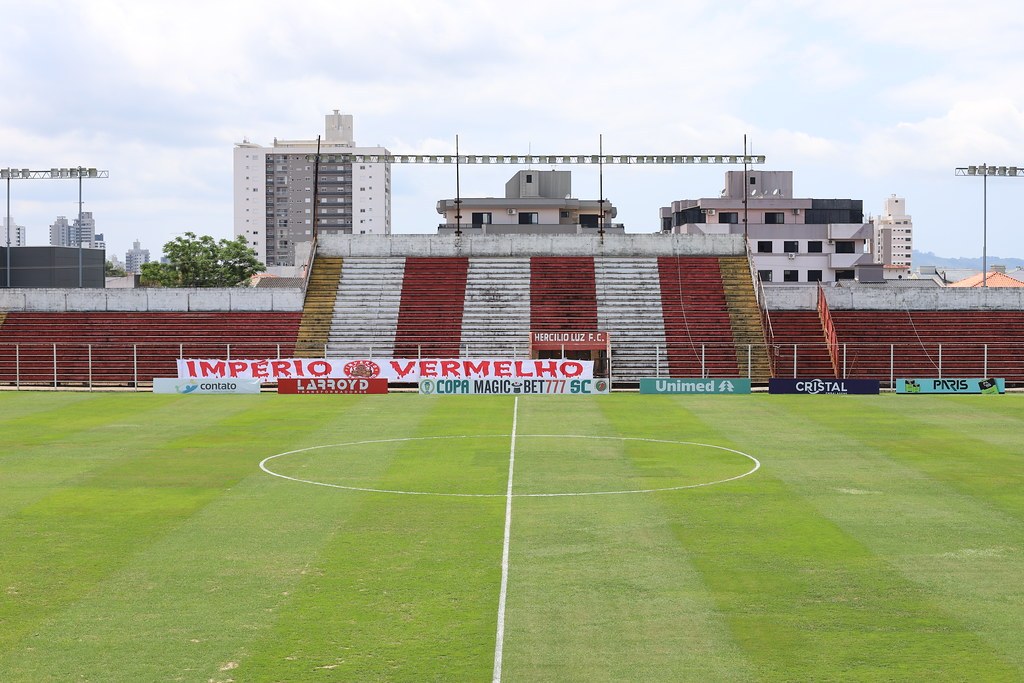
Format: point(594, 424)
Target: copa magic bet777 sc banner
point(391, 369)
point(514, 386)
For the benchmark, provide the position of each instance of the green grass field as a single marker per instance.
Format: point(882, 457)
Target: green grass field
point(881, 539)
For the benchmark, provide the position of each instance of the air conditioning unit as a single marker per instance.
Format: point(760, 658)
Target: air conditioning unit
point(708, 212)
point(831, 242)
point(511, 212)
point(791, 256)
point(796, 212)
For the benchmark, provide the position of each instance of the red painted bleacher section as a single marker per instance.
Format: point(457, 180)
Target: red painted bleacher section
point(563, 293)
point(696, 315)
point(917, 336)
point(129, 345)
point(803, 329)
point(430, 311)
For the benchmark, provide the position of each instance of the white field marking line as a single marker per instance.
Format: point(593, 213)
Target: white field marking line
point(755, 468)
point(499, 640)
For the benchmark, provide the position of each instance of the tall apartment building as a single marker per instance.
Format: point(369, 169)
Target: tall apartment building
point(790, 239)
point(16, 235)
point(73, 234)
point(135, 257)
point(894, 233)
point(273, 191)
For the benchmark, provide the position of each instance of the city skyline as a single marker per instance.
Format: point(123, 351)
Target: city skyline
point(859, 101)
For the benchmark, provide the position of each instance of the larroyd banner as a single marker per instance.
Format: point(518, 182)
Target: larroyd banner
point(666, 385)
point(331, 385)
point(391, 369)
point(991, 385)
point(514, 386)
point(823, 385)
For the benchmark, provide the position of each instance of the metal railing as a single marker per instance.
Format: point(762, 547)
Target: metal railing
point(70, 365)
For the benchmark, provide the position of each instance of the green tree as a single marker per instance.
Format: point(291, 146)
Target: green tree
point(199, 261)
point(110, 270)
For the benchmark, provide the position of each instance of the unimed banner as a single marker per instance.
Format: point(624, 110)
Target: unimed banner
point(391, 369)
point(667, 385)
point(823, 385)
point(331, 385)
point(992, 385)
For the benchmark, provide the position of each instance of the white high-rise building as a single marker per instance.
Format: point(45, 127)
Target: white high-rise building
point(135, 257)
point(73, 234)
point(894, 233)
point(273, 191)
point(16, 236)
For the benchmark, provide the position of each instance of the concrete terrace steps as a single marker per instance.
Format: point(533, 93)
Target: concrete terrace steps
point(799, 337)
point(366, 309)
point(745, 318)
point(629, 309)
point(431, 308)
point(318, 307)
point(496, 311)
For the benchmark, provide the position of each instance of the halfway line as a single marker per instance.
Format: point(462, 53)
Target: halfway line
point(499, 643)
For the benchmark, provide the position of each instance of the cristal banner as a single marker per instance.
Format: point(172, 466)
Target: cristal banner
point(391, 369)
point(823, 385)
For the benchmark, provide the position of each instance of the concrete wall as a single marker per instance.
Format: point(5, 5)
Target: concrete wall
point(650, 244)
point(805, 297)
point(155, 299)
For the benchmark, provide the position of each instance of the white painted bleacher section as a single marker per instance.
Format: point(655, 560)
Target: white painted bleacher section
point(496, 315)
point(366, 310)
point(629, 309)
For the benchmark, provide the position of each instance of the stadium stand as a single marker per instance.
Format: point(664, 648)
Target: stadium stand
point(563, 293)
point(366, 307)
point(127, 348)
point(799, 345)
point(318, 307)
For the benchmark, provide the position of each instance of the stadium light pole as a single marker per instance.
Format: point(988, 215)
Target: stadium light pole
point(984, 170)
point(79, 172)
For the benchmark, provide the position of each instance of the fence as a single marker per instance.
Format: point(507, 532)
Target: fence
point(70, 365)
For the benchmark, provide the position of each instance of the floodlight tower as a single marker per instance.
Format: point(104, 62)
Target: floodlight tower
point(984, 170)
point(79, 172)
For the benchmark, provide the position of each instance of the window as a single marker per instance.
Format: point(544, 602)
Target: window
point(481, 218)
point(528, 217)
point(791, 246)
point(844, 247)
point(774, 217)
point(845, 275)
point(791, 276)
point(529, 178)
point(814, 276)
point(764, 275)
point(814, 247)
point(753, 180)
point(728, 217)
point(764, 246)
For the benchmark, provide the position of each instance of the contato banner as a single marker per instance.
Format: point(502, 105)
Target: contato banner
point(196, 385)
point(391, 369)
point(514, 386)
point(331, 385)
point(989, 385)
point(662, 385)
point(823, 385)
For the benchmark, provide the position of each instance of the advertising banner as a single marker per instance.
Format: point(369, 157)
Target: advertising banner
point(391, 369)
point(824, 385)
point(574, 340)
point(514, 386)
point(663, 385)
point(195, 385)
point(331, 385)
point(989, 385)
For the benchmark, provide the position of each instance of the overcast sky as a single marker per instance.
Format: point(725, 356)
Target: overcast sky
point(859, 99)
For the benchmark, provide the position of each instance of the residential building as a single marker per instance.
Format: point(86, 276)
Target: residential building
point(790, 239)
point(135, 257)
point(893, 238)
point(77, 233)
point(16, 234)
point(61, 234)
point(273, 191)
point(535, 202)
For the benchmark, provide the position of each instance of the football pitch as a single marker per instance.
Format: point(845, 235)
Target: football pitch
point(539, 538)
